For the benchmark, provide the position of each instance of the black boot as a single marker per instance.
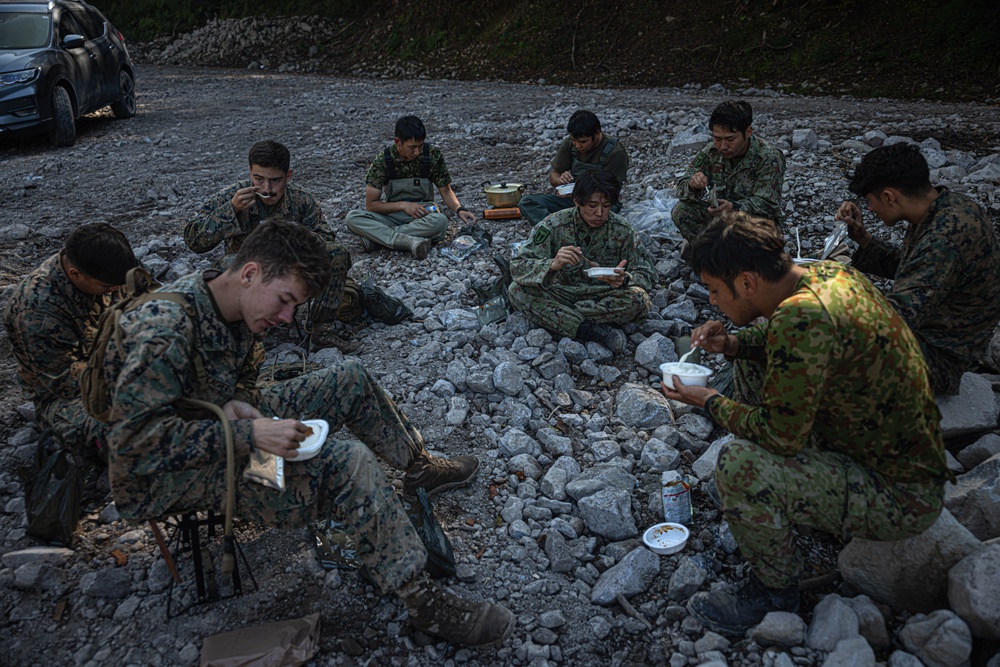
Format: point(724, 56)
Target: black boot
point(608, 336)
point(733, 612)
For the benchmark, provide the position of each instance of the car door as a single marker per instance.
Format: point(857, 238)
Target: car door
point(82, 62)
point(96, 29)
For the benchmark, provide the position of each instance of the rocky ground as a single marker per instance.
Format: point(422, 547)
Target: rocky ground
point(552, 421)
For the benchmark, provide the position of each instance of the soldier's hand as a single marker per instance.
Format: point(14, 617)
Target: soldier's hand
point(619, 277)
point(244, 198)
point(240, 410)
point(724, 205)
point(568, 255)
point(413, 209)
point(695, 395)
point(712, 337)
point(467, 216)
point(698, 181)
point(565, 177)
point(280, 437)
point(851, 214)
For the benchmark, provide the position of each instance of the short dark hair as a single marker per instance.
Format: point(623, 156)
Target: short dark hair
point(101, 252)
point(410, 127)
point(901, 166)
point(285, 248)
point(736, 242)
point(270, 155)
point(583, 123)
point(733, 115)
point(599, 181)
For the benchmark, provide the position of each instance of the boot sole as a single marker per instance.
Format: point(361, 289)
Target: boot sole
point(444, 487)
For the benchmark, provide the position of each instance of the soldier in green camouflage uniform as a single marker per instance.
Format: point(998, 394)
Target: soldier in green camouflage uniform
point(846, 438)
point(408, 171)
point(165, 460)
point(236, 210)
point(549, 282)
point(946, 275)
point(745, 171)
point(51, 319)
point(586, 147)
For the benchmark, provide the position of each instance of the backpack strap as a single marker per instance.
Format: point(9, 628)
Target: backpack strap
point(425, 162)
point(612, 142)
point(390, 166)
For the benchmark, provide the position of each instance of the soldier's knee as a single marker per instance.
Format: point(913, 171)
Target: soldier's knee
point(735, 457)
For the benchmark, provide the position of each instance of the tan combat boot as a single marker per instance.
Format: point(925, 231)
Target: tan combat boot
point(437, 612)
point(437, 474)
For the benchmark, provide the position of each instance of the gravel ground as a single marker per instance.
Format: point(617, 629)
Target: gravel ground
point(148, 175)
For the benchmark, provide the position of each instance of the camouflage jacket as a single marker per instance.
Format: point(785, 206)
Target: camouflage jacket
point(218, 221)
point(946, 284)
point(376, 177)
point(752, 183)
point(158, 455)
point(617, 162)
point(845, 373)
point(51, 324)
point(607, 245)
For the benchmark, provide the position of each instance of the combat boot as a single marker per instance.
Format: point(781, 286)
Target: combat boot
point(437, 474)
point(438, 612)
point(608, 336)
point(367, 244)
point(418, 247)
point(733, 612)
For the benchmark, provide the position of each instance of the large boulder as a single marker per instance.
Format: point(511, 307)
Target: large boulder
point(909, 574)
point(974, 591)
point(974, 499)
point(940, 639)
point(641, 406)
point(632, 575)
point(974, 409)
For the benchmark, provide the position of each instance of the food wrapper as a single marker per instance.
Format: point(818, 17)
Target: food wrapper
point(281, 644)
point(267, 469)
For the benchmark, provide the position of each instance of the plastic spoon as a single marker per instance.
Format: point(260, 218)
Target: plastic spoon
point(684, 357)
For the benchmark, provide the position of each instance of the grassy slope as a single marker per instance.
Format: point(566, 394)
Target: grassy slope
point(901, 48)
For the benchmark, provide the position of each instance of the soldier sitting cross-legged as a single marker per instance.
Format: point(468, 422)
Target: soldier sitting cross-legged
point(164, 461)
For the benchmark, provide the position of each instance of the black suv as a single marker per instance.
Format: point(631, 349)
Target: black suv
point(59, 60)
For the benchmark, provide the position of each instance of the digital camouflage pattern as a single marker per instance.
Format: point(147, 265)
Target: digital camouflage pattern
point(376, 176)
point(946, 284)
point(165, 462)
point(51, 325)
point(752, 183)
point(845, 397)
point(561, 300)
point(218, 222)
point(617, 162)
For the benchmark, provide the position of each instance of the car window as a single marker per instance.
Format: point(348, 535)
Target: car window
point(24, 31)
point(93, 26)
point(68, 26)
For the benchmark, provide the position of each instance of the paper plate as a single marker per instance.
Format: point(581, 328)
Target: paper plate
point(310, 447)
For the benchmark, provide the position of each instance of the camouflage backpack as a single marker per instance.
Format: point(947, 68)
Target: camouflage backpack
point(139, 289)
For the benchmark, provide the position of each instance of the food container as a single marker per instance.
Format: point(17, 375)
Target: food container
point(666, 538)
point(598, 271)
point(676, 498)
point(689, 374)
point(504, 195)
point(310, 447)
point(565, 190)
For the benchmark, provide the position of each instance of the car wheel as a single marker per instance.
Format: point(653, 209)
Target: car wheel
point(125, 106)
point(63, 132)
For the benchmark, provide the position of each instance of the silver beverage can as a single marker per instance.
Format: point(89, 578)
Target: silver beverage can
point(676, 498)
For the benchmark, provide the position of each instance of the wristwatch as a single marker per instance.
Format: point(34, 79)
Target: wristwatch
point(460, 209)
point(626, 281)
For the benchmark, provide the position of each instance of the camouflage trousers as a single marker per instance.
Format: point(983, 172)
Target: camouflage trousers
point(690, 218)
point(340, 264)
point(80, 432)
point(344, 481)
point(562, 308)
point(765, 495)
point(535, 208)
point(387, 229)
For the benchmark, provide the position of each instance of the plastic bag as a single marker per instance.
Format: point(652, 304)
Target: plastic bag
point(54, 493)
point(653, 215)
point(381, 306)
point(468, 243)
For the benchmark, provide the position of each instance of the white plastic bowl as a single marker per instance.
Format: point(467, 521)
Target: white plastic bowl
point(689, 374)
point(666, 538)
point(565, 189)
point(596, 271)
point(310, 447)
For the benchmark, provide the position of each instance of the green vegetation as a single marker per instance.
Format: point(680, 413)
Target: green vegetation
point(898, 47)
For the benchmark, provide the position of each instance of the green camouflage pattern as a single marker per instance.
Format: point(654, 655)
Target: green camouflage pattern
point(561, 300)
point(218, 222)
point(946, 284)
point(765, 495)
point(376, 176)
point(165, 461)
point(617, 162)
point(51, 326)
point(752, 183)
point(845, 436)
